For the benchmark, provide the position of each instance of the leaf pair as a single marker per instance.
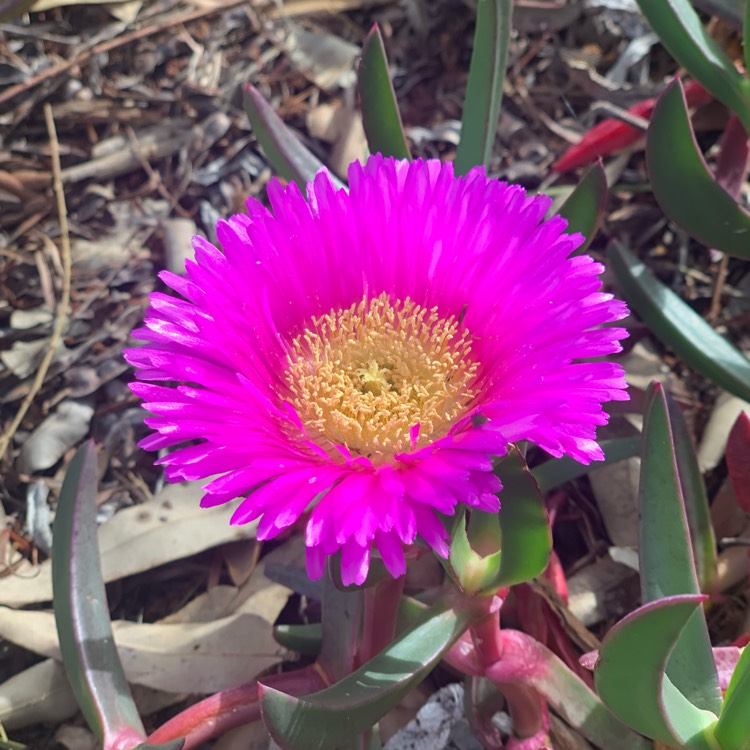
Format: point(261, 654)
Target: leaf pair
point(656, 669)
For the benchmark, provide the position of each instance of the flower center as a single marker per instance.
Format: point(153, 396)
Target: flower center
point(381, 376)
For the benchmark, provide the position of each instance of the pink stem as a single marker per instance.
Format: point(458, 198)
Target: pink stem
point(379, 619)
point(525, 706)
point(232, 708)
point(487, 638)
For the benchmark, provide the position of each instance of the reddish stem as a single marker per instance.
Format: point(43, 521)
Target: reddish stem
point(232, 708)
point(462, 656)
point(379, 618)
point(525, 707)
point(487, 639)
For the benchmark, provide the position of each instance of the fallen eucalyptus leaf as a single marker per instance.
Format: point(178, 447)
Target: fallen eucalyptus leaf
point(167, 528)
point(58, 433)
point(185, 657)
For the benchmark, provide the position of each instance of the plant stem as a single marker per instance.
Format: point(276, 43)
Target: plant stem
point(379, 620)
point(232, 708)
point(487, 639)
point(525, 707)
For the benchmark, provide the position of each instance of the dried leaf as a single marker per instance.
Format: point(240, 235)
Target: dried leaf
point(724, 414)
point(184, 657)
point(169, 527)
point(49, 442)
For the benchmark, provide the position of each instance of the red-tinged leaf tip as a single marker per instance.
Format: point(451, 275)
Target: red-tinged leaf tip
point(738, 460)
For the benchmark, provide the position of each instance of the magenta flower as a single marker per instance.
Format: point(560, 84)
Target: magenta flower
point(366, 354)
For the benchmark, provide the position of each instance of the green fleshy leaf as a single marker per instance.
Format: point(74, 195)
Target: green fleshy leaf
point(733, 728)
point(524, 526)
point(289, 158)
point(746, 38)
point(380, 115)
point(410, 613)
point(680, 30)
point(683, 185)
point(173, 745)
point(630, 673)
point(584, 208)
point(334, 716)
point(678, 326)
point(667, 566)
point(556, 471)
point(472, 570)
point(81, 614)
point(484, 89)
point(304, 639)
point(696, 500)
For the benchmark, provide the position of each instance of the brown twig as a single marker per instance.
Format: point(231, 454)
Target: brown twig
point(721, 276)
point(61, 313)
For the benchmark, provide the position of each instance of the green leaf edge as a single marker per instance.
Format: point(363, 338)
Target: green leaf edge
point(584, 207)
point(733, 728)
point(380, 116)
point(667, 565)
point(84, 628)
point(484, 88)
point(684, 186)
point(285, 152)
point(680, 30)
point(702, 535)
point(678, 326)
point(524, 524)
point(629, 676)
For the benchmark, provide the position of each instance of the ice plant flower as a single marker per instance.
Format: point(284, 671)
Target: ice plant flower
point(364, 355)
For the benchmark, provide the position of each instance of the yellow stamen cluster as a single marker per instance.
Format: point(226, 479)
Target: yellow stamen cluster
point(364, 376)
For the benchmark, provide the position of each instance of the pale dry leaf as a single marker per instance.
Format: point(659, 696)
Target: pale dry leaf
point(42, 695)
point(39, 695)
point(23, 357)
point(615, 488)
point(126, 11)
point(187, 657)
point(327, 60)
point(178, 247)
point(258, 595)
point(59, 432)
point(240, 559)
point(167, 528)
point(26, 319)
point(601, 591)
point(351, 143)
point(213, 604)
point(643, 365)
point(73, 737)
point(713, 443)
